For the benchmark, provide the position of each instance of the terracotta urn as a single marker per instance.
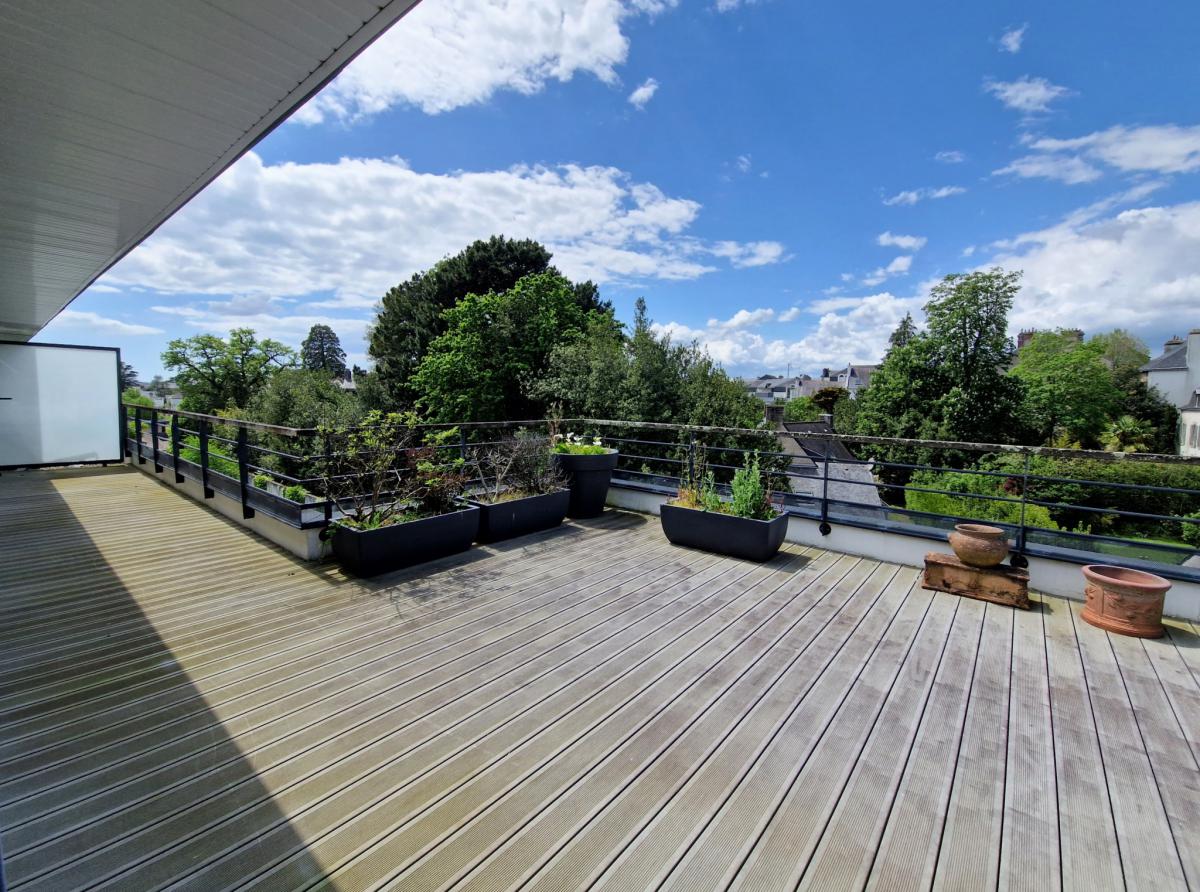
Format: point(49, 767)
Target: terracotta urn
point(1126, 601)
point(979, 545)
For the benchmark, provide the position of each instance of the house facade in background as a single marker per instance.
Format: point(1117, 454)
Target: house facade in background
point(778, 389)
point(1176, 375)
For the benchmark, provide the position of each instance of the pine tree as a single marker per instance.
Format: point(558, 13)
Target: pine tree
point(322, 352)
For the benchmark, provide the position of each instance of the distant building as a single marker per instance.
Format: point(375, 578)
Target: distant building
point(1189, 426)
point(1176, 371)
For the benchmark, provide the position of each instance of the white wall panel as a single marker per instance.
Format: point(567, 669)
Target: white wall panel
point(58, 405)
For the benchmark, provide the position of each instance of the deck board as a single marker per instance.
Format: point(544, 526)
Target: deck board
point(184, 705)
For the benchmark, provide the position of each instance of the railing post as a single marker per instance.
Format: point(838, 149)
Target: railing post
point(825, 528)
point(1018, 558)
point(691, 459)
point(243, 473)
point(175, 448)
point(208, 493)
point(137, 433)
point(125, 432)
point(327, 446)
point(462, 443)
point(154, 440)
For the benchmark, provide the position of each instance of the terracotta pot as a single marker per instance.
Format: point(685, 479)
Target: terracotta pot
point(1126, 601)
point(978, 545)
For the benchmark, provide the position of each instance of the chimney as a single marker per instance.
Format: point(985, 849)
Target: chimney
point(1172, 343)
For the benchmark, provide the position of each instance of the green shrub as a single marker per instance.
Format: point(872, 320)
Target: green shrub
point(296, 493)
point(218, 459)
point(751, 497)
point(1191, 531)
point(967, 502)
point(261, 480)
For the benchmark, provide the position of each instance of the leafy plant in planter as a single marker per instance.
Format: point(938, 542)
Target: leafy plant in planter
point(521, 489)
point(747, 526)
point(587, 467)
point(397, 494)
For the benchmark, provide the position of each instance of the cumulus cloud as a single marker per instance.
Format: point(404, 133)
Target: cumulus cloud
point(1010, 41)
point(912, 196)
point(357, 226)
point(1026, 94)
point(454, 53)
point(644, 93)
point(791, 314)
point(950, 156)
point(1137, 269)
point(898, 267)
point(742, 319)
point(95, 322)
point(744, 163)
point(848, 330)
point(903, 242)
point(1167, 149)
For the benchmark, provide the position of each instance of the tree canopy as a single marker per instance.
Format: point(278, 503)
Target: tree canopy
point(411, 315)
point(496, 346)
point(1070, 392)
point(128, 376)
point(802, 408)
point(322, 352)
point(950, 382)
point(214, 373)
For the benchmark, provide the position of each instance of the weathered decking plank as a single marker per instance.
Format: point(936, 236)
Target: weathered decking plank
point(1030, 854)
point(184, 705)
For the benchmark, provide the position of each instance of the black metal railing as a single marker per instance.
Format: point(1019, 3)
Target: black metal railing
point(278, 471)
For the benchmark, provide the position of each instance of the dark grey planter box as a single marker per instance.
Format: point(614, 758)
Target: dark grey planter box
point(519, 517)
point(371, 552)
point(588, 476)
point(740, 537)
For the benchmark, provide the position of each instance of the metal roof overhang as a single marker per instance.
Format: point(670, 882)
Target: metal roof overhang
point(114, 113)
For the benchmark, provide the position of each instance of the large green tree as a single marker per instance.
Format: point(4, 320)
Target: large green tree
point(495, 347)
point(949, 382)
point(411, 315)
point(214, 373)
point(128, 376)
point(322, 352)
point(1070, 390)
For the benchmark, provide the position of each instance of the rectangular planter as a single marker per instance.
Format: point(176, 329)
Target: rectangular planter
point(740, 537)
point(519, 517)
point(371, 552)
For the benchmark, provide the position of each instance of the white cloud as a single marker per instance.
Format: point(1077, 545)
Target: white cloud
point(744, 163)
point(453, 53)
point(1010, 40)
point(97, 323)
point(644, 93)
point(1064, 168)
point(950, 156)
point(968, 250)
point(912, 196)
point(1026, 94)
point(358, 226)
point(903, 242)
point(898, 267)
point(848, 330)
point(1167, 149)
point(791, 314)
point(747, 254)
point(742, 319)
point(1137, 269)
point(731, 5)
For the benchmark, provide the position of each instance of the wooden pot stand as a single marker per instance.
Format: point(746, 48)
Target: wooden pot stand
point(1000, 585)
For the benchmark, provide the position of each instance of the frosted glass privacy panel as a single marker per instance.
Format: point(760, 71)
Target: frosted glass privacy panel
point(58, 405)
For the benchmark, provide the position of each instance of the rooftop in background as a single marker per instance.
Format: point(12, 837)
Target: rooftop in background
point(116, 115)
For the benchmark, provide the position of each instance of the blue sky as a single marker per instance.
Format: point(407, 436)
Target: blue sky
point(781, 181)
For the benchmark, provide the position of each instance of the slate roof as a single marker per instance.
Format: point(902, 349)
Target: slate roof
point(1170, 361)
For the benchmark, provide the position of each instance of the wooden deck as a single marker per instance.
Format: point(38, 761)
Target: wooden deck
point(184, 705)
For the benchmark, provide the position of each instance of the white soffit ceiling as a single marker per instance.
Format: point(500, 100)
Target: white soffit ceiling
point(114, 113)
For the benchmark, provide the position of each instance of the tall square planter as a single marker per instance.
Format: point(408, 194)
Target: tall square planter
point(740, 537)
point(520, 517)
point(588, 477)
point(371, 552)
